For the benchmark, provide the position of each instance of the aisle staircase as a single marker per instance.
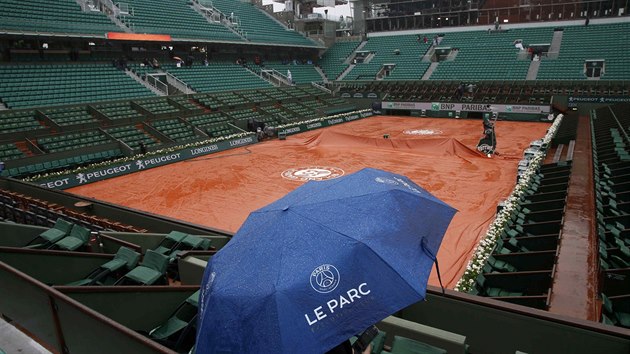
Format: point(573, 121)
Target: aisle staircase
point(144, 83)
point(214, 15)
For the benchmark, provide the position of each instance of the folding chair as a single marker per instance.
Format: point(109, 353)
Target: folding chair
point(50, 236)
point(79, 237)
point(171, 242)
point(152, 269)
point(125, 258)
point(178, 332)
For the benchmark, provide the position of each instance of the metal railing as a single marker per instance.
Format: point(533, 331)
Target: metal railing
point(153, 80)
point(275, 77)
point(318, 86)
point(216, 15)
point(179, 84)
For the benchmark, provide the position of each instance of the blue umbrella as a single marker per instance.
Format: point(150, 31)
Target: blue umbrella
point(321, 264)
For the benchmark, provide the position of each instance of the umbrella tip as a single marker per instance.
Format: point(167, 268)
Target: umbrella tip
point(285, 208)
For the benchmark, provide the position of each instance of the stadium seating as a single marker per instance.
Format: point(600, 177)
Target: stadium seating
point(611, 164)
point(105, 274)
point(157, 107)
point(132, 136)
point(69, 116)
point(151, 270)
point(300, 73)
point(258, 27)
point(72, 141)
point(119, 110)
point(178, 332)
point(332, 61)
point(525, 252)
point(60, 230)
point(616, 310)
point(77, 238)
point(279, 113)
point(175, 129)
point(402, 50)
point(484, 55)
point(60, 16)
point(19, 121)
point(171, 242)
point(217, 76)
point(207, 119)
point(174, 17)
point(60, 164)
point(187, 103)
point(10, 152)
point(590, 42)
point(20, 208)
point(34, 85)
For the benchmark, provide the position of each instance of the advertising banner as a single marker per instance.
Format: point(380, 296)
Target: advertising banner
point(145, 162)
point(466, 107)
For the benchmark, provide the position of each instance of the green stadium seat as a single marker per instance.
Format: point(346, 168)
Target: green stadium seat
point(78, 237)
point(151, 270)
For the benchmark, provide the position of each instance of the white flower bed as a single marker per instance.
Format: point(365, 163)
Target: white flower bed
point(135, 157)
point(487, 243)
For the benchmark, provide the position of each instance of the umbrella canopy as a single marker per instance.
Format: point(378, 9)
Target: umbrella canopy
point(321, 264)
point(177, 58)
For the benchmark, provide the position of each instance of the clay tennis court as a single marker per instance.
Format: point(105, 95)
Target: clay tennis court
point(220, 190)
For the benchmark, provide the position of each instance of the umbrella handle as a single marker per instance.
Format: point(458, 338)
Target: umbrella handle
point(364, 339)
point(428, 252)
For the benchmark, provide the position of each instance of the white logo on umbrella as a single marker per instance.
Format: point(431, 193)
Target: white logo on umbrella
point(325, 278)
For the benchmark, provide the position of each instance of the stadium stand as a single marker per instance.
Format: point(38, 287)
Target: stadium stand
point(610, 169)
point(521, 267)
point(485, 55)
point(300, 73)
point(175, 129)
point(69, 116)
point(106, 274)
point(72, 141)
point(133, 136)
point(88, 129)
point(10, 152)
point(589, 42)
point(157, 107)
point(36, 85)
point(213, 124)
point(258, 27)
point(402, 50)
point(176, 18)
point(333, 60)
point(118, 110)
point(19, 121)
point(217, 76)
point(26, 209)
point(63, 16)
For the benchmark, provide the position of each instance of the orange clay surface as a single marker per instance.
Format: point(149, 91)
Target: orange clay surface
point(220, 190)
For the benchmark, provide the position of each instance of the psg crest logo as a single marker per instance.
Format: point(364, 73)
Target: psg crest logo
point(324, 278)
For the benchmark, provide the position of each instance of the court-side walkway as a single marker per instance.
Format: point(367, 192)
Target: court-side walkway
point(574, 291)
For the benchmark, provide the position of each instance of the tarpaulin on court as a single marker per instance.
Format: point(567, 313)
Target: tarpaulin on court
point(220, 190)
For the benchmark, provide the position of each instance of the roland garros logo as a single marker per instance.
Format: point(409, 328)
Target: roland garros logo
point(422, 132)
point(312, 173)
point(325, 278)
